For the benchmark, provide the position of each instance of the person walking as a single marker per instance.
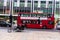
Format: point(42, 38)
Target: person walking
point(39, 20)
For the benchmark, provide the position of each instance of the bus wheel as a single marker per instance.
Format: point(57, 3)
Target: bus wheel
point(44, 27)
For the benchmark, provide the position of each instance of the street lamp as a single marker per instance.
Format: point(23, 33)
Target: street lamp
point(11, 12)
point(32, 7)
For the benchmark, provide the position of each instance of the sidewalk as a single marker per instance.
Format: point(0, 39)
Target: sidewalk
point(30, 34)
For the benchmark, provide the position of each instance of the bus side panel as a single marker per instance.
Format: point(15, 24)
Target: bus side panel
point(18, 20)
point(48, 26)
point(34, 26)
point(51, 26)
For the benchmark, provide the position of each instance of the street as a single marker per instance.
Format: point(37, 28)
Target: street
point(30, 34)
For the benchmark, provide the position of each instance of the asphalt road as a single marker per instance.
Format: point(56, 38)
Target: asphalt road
point(30, 34)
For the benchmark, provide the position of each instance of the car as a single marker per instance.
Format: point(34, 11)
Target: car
point(58, 25)
point(4, 24)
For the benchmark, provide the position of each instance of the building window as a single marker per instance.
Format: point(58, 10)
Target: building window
point(35, 1)
point(15, 0)
point(8, 4)
point(50, 4)
point(43, 4)
point(29, 1)
point(1, 3)
point(43, 1)
point(36, 4)
point(22, 3)
point(57, 8)
point(57, 4)
point(29, 4)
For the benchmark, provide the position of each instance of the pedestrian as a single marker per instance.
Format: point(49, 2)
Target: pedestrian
point(39, 20)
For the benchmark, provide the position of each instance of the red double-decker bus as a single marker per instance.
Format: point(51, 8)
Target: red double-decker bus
point(35, 20)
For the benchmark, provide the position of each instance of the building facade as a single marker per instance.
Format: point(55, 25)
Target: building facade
point(42, 6)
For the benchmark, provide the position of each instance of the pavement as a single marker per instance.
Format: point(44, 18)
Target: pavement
point(30, 34)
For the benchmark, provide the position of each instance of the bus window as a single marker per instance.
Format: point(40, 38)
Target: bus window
point(49, 15)
point(44, 15)
point(23, 21)
point(39, 15)
point(33, 15)
point(25, 15)
point(29, 22)
point(26, 21)
point(39, 22)
point(33, 22)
